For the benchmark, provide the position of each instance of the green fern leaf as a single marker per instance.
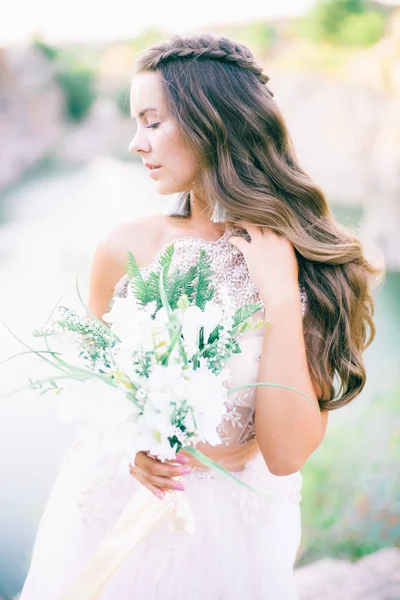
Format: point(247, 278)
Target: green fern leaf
point(181, 283)
point(244, 312)
point(205, 291)
point(132, 267)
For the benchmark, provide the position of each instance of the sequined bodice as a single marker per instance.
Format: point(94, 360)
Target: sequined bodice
point(233, 288)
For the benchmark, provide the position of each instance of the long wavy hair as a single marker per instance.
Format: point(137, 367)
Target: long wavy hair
point(220, 100)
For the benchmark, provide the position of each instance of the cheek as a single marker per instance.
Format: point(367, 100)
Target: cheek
point(179, 157)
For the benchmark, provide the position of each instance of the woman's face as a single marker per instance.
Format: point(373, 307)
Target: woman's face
point(157, 138)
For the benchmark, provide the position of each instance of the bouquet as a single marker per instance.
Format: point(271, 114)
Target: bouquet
point(163, 356)
point(151, 378)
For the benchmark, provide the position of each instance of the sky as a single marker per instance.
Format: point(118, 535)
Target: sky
point(90, 21)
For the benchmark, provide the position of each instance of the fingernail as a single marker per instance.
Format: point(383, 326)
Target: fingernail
point(160, 495)
point(179, 486)
point(185, 471)
point(181, 458)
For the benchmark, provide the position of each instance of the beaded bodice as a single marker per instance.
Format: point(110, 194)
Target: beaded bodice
point(233, 288)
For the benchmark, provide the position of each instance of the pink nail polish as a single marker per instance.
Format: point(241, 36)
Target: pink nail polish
point(181, 458)
point(160, 495)
point(185, 471)
point(179, 486)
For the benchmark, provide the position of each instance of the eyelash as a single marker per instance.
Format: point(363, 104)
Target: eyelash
point(153, 126)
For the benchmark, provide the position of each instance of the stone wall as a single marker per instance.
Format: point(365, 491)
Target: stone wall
point(31, 108)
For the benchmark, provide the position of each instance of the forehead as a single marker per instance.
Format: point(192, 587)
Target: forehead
point(146, 92)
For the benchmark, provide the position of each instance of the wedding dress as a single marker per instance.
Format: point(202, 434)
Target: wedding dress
point(244, 546)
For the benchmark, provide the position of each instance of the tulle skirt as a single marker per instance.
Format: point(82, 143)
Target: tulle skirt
point(244, 546)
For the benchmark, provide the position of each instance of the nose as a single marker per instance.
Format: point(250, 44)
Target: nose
point(139, 143)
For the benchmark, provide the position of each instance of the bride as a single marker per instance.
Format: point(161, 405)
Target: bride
point(209, 129)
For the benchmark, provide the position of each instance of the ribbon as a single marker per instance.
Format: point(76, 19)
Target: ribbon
point(140, 517)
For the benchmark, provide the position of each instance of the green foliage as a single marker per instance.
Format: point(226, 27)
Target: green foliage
point(75, 75)
point(77, 83)
point(362, 30)
point(48, 51)
point(96, 336)
point(123, 102)
point(243, 313)
point(343, 22)
point(350, 503)
point(150, 36)
point(139, 287)
point(259, 35)
point(204, 291)
point(179, 284)
point(195, 283)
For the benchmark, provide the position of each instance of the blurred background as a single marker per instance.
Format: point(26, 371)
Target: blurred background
point(66, 177)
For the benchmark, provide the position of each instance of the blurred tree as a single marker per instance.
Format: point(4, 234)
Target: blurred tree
point(150, 36)
point(48, 51)
point(346, 22)
point(362, 30)
point(123, 102)
point(351, 489)
point(258, 35)
point(74, 75)
point(77, 83)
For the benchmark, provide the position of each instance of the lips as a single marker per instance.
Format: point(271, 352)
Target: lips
point(151, 167)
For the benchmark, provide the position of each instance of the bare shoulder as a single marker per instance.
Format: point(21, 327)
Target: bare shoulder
point(142, 237)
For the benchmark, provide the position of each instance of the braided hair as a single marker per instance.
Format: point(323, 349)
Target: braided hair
point(202, 47)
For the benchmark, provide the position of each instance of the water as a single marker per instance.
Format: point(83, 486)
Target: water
point(53, 223)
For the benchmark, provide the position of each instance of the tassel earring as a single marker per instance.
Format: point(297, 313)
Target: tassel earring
point(178, 207)
point(220, 214)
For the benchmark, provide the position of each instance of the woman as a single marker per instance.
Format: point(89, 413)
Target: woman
point(209, 129)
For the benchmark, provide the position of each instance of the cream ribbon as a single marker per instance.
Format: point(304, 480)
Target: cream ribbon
point(139, 518)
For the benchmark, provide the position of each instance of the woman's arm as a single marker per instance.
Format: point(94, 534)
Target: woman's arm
point(288, 427)
point(106, 270)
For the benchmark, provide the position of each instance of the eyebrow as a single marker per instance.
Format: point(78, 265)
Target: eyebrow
point(145, 110)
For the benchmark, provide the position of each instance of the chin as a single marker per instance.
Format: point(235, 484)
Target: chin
point(166, 190)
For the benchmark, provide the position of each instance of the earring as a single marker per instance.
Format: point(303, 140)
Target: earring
point(220, 214)
point(178, 207)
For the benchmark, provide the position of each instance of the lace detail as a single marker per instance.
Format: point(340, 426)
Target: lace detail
point(233, 288)
point(231, 274)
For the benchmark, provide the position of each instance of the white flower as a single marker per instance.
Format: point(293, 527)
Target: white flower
point(206, 391)
point(153, 432)
point(160, 332)
point(212, 316)
point(193, 319)
point(207, 395)
point(131, 323)
point(191, 322)
point(150, 307)
point(124, 360)
point(141, 395)
point(157, 420)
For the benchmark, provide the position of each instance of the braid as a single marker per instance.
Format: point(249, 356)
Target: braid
point(205, 46)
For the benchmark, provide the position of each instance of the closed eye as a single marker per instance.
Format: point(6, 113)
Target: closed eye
point(152, 126)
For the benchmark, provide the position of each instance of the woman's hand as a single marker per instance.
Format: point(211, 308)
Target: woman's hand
point(158, 476)
point(272, 262)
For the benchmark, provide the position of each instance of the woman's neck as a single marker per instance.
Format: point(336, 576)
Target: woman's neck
point(200, 216)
